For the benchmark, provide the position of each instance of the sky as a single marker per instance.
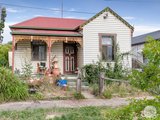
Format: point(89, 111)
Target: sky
point(142, 14)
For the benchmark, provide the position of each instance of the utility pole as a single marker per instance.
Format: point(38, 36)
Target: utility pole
point(62, 9)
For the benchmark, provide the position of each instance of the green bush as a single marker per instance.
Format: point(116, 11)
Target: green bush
point(149, 78)
point(27, 70)
point(107, 94)
point(91, 73)
point(134, 110)
point(11, 88)
point(78, 96)
point(115, 71)
point(95, 89)
point(4, 49)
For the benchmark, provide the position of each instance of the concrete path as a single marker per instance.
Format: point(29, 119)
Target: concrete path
point(114, 102)
point(88, 95)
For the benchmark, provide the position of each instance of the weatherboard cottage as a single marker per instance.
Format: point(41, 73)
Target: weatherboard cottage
point(72, 42)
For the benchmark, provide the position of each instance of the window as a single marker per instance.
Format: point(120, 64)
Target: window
point(107, 47)
point(38, 51)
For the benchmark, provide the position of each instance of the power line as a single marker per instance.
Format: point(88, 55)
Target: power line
point(55, 10)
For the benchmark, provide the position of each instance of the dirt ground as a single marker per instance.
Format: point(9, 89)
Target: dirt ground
point(114, 102)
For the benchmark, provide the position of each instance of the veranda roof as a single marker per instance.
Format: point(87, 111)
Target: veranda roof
point(45, 32)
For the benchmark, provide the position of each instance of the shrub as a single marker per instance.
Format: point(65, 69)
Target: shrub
point(134, 110)
point(117, 71)
point(107, 94)
point(91, 73)
point(149, 78)
point(36, 96)
point(27, 70)
point(95, 89)
point(4, 49)
point(78, 96)
point(11, 88)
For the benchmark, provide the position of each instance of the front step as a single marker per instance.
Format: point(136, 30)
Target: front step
point(73, 83)
point(72, 79)
point(84, 88)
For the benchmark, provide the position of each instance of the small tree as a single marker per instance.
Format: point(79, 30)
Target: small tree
point(152, 51)
point(118, 71)
point(4, 49)
point(149, 78)
point(27, 70)
point(2, 20)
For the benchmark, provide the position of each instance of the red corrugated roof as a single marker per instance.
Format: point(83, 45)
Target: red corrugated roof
point(48, 22)
point(45, 32)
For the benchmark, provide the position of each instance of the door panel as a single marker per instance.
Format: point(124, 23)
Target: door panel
point(69, 58)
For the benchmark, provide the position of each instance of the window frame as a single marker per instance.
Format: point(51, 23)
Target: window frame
point(45, 51)
point(113, 44)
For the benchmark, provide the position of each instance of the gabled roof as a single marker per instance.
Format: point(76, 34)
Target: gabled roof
point(142, 38)
point(107, 9)
point(50, 23)
point(57, 26)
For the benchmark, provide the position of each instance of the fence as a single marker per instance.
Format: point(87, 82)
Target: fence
point(102, 79)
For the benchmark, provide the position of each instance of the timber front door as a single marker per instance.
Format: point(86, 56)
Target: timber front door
point(70, 58)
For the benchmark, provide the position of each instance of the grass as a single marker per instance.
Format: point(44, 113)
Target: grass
point(133, 111)
point(121, 90)
point(83, 113)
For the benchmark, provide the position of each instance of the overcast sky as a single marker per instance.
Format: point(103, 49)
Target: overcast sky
point(142, 14)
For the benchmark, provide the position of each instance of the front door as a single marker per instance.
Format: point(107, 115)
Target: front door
point(70, 58)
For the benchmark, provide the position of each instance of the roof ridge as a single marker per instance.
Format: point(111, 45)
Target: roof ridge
point(47, 17)
point(59, 18)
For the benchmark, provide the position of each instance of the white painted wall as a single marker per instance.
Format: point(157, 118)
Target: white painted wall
point(80, 57)
point(109, 25)
point(22, 54)
point(57, 49)
point(137, 52)
point(10, 58)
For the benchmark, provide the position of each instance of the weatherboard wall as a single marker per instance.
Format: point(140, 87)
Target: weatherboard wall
point(110, 25)
point(80, 56)
point(57, 50)
point(22, 54)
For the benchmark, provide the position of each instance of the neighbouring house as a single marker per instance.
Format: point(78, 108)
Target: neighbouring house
point(73, 42)
point(138, 45)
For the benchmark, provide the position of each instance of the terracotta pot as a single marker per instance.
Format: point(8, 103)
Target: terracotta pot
point(55, 65)
point(56, 71)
